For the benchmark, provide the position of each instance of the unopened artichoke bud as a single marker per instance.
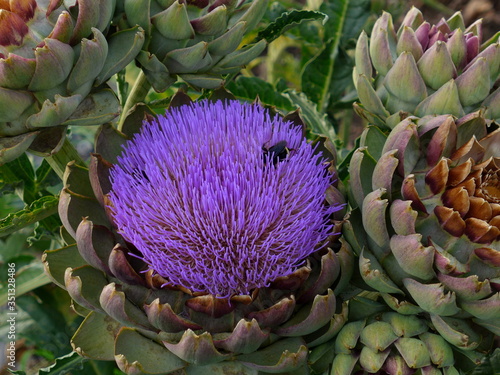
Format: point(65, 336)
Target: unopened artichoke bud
point(426, 70)
point(208, 240)
point(390, 343)
point(428, 198)
point(52, 57)
point(196, 40)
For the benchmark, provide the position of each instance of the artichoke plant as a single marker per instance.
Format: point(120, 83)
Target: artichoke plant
point(427, 223)
point(196, 40)
point(426, 70)
point(206, 246)
point(53, 61)
point(379, 341)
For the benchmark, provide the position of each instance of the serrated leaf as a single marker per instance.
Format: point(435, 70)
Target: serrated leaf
point(324, 75)
point(251, 87)
point(48, 228)
point(36, 211)
point(64, 364)
point(287, 21)
point(317, 122)
point(358, 12)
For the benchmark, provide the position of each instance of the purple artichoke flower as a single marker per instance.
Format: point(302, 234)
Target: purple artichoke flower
point(221, 198)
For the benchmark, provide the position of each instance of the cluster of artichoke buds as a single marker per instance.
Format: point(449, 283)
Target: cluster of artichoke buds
point(426, 70)
point(428, 211)
point(196, 40)
point(147, 325)
point(51, 71)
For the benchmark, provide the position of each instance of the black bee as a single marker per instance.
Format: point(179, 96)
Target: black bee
point(140, 173)
point(276, 153)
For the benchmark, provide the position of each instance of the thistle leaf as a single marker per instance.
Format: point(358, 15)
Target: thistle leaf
point(36, 211)
point(323, 73)
point(251, 87)
point(287, 21)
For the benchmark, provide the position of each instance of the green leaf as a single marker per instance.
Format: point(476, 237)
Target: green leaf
point(19, 173)
point(44, 324)
point(36, 211)
point(489, 364)
point(46, 228)
point(64, 364)
point(317, 122)
point(46, 176)
point(28, 278)
point(287, 21)
point(12, 247)
point(250, 87)
point(322, 74)
point(356, 16)
point(123, 86)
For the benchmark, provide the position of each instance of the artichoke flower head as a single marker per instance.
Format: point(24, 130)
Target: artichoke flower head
point(214, 214)
point(210, 235)
point(51, 73)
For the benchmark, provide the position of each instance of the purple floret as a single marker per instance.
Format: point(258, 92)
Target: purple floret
point(197, 196)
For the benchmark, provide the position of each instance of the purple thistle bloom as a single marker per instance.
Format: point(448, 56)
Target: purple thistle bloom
point(210, 209)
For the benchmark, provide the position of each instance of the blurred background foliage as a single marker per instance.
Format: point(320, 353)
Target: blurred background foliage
point(308, 67)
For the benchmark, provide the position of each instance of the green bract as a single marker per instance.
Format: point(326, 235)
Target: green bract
point(426, 70)
point(378, 340)
point(148, 326)
point(53, 62)
point(427, 223)
point(196, 40)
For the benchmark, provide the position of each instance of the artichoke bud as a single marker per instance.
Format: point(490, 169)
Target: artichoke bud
point(440, 52)
point(178, 33)
point(392, 343)
point(433, 239)
point(50, 57)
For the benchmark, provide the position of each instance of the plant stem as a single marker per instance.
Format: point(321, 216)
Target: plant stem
point(137, 94)
point(60, 159)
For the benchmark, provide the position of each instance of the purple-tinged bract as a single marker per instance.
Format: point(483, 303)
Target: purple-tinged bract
point(201, 197)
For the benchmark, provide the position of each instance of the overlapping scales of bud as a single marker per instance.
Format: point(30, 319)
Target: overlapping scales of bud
point(196, 40)
point(377, 340)
point(429, 205)
point(52, 60)
point(426, 70)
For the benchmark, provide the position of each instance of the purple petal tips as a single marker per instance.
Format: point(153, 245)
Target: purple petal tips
point(221, 198)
